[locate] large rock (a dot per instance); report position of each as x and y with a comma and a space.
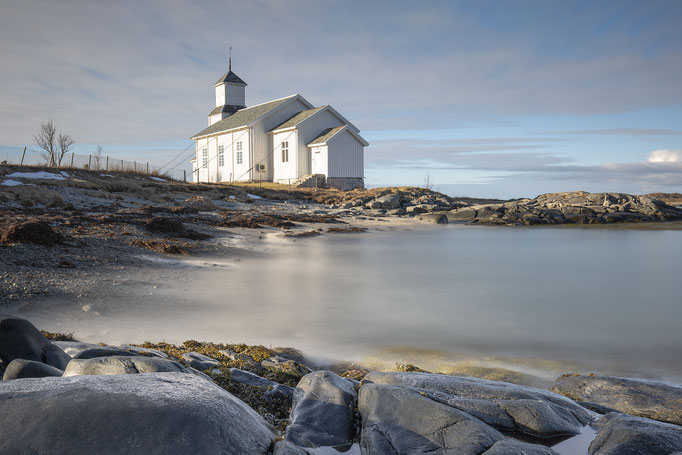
621, 434
322, 411
103, 351
20, 368
200, 361
655, 400
72, 348
285, 447
122, 365
248, 378
19, 339
161, 413
388, 201
399, 420
503, 405
511, 446
434, 218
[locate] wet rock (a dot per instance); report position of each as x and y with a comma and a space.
322, 411
398, 420
246, 377
19, 339
122, 365
148, 413
655, 400
511, 446
200, 361
532, 411
285, 447
20, 368
435, 218
624, 434
32, 231
103, 351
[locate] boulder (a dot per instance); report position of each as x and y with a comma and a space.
503, 405
388, 202
19, 339
655, 400
20, 368
200, 361
399, 420
322, 411
74, 347
434, 218
122, 365
246, 377
103, 351
156, 413
511, 446
284, 447
145, 351
464, 213
624, 434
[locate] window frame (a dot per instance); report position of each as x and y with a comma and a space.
285, 151
221, 156
204, 158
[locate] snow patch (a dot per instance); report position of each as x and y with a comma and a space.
65, 174
157, 179
106, 175
253, 196
37, 175
11, 183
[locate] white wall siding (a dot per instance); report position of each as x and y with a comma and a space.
308, 130
235, 94
346, 156
320, 161
285, 171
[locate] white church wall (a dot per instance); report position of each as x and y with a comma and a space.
346, 156
319, 160
283, 171
308, 130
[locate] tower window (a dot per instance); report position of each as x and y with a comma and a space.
204, 158
221, 155
240, 153
285, 152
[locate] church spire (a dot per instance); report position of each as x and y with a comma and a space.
229, 64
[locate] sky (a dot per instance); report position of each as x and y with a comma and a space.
488, 98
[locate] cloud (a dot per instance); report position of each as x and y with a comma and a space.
665, 156
619, 131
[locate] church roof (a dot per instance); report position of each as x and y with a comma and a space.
326, 135
243, 117
298, 118
231, 78
228, 108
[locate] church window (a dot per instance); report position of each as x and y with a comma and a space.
204, 158
221, 155
240, 153
285, 152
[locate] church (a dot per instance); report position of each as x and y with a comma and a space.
287, 140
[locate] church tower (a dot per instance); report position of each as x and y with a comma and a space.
230, 95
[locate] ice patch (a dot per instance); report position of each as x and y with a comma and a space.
106, 175
158, 179
65, 174
253, 196
10, 183
37, 175
231, 197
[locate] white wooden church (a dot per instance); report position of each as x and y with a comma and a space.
287, 140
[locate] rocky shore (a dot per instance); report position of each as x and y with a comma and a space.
59, 395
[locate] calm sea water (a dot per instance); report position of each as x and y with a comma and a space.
552, 299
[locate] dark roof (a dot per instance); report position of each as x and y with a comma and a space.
326, 135
298, 118
243, 117
231, 78
227, 108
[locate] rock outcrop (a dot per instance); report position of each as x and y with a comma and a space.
20, 368
113, 365
624, 434
19, 339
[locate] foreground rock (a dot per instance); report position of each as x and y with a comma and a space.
157, 413
571, 207
655, 400
32, 231
322, 411
20, 368
624, 434
505, 406
19, 339
397, 420
122, 365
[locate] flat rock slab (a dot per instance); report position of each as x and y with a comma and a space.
398, 420
655, 400
200, 361
161, 413
103, 351
19, 339
511, 446
322, 411
20, 368
122, 365
503, 405
248, 378
625, 434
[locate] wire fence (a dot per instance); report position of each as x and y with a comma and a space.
24, 156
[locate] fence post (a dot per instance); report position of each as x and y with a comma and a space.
72, 155
147, 167
135, 166
107, 163
184, 175
89, 162
22, 156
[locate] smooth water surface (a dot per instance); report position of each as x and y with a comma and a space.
606, 299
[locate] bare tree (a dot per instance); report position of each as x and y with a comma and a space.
65, 142
428, 181
98, 156
46, 139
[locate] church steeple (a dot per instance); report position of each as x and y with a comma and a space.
230, 94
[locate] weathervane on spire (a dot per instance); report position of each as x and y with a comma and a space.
229, 64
